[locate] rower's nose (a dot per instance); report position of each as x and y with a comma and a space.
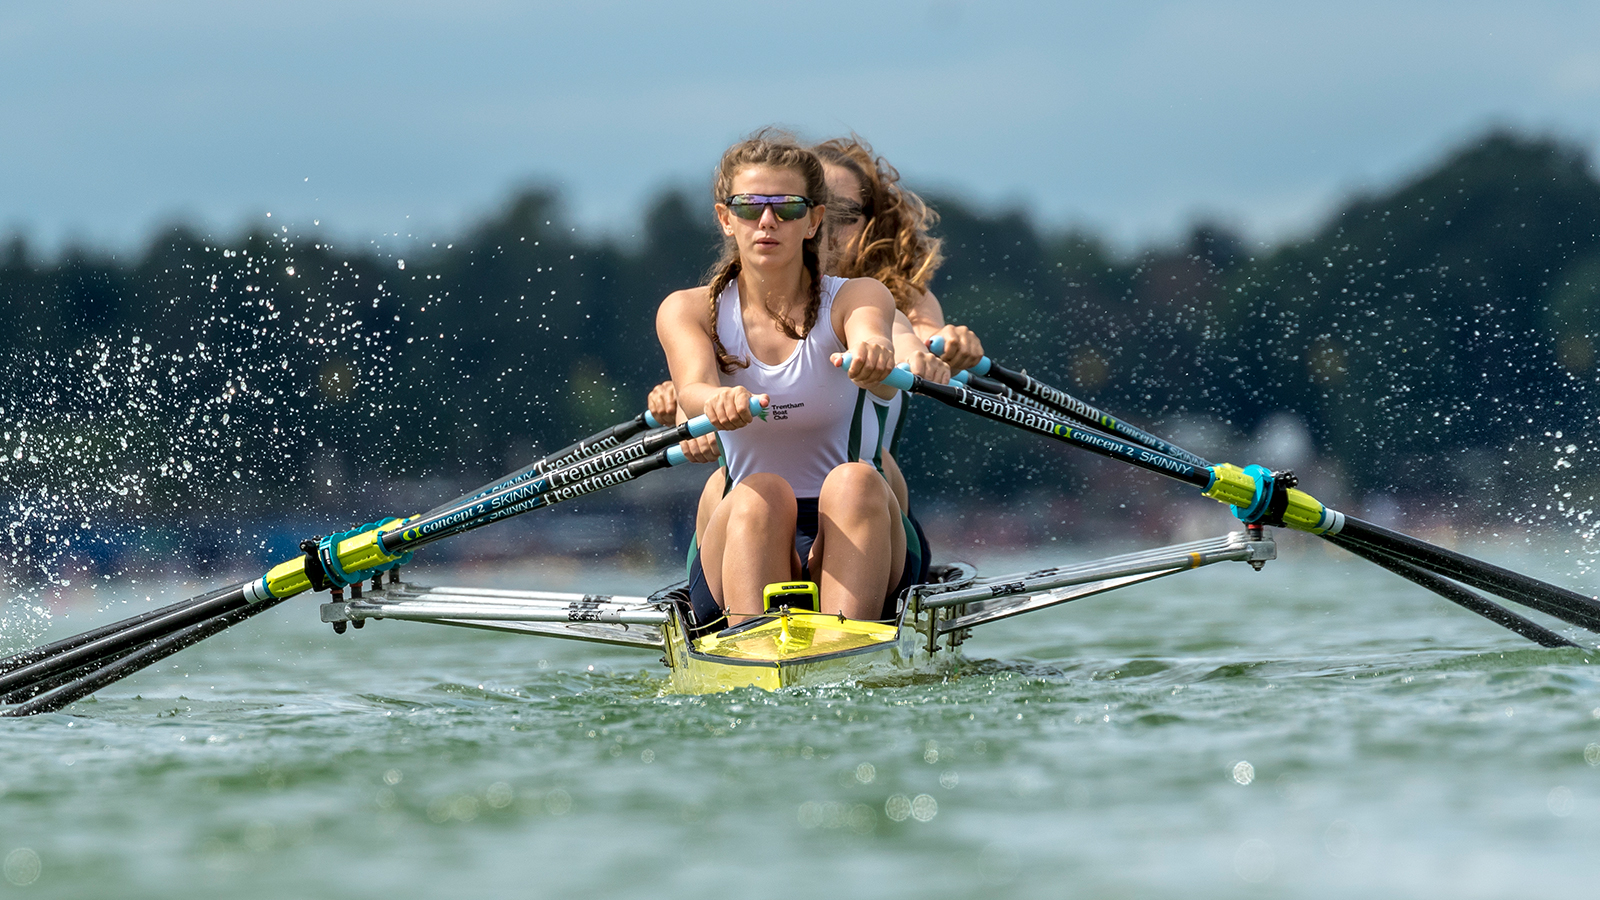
769, 219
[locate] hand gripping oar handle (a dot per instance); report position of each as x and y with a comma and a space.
348, 557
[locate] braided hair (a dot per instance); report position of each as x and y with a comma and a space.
779, 150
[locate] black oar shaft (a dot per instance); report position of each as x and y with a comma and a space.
1567, 605
38, 686
1048, 425
1000, 389
589, 446
149, 654
1456, 594
37, 653
415, 535
131, 636
1080, 411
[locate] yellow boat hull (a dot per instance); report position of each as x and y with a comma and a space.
792, 649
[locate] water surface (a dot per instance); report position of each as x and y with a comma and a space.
1316, 729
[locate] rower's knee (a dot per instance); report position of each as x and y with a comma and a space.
760, 498
854, 488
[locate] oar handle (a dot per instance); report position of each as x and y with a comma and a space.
899, 379
700, 425
936, 347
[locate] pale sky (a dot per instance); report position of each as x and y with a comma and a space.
401, 117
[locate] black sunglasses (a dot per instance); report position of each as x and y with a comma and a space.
787, 207
847, 210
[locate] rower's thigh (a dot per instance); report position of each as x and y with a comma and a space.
758, 511
855, 495
710, 496
857, 502
749, 539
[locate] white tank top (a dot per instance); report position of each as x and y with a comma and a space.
894, 419
818, 418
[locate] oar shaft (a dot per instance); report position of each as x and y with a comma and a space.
1568, 605
1455, 593
518, 501
37, 653
110, 644
1080, 411
656, 450
147, 655
1043, 423
370, 548
999, 389
589, 446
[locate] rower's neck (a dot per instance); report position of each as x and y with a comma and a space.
785, 292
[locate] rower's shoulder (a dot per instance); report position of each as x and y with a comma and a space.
687, 301
863, 290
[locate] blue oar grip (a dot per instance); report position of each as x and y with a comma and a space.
675, 456
650, 419
936, 347
961, 377
899, 379
700, 425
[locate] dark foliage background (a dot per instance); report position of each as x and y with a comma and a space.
1428, 335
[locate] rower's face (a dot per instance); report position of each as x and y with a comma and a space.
843, 185
769, 239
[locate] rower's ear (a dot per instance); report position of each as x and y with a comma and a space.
724, 219
819, 215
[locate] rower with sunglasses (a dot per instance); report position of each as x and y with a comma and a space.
876, 229
801, 503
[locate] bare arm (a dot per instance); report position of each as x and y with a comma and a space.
909, 349
683, 325
863, 316
962, 349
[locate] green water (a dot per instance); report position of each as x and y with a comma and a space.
1318, 729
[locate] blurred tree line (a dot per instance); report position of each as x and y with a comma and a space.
1421, 333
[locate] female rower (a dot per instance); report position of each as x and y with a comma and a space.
878, 229
772, 326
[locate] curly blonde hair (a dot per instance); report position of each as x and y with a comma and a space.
894, 245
